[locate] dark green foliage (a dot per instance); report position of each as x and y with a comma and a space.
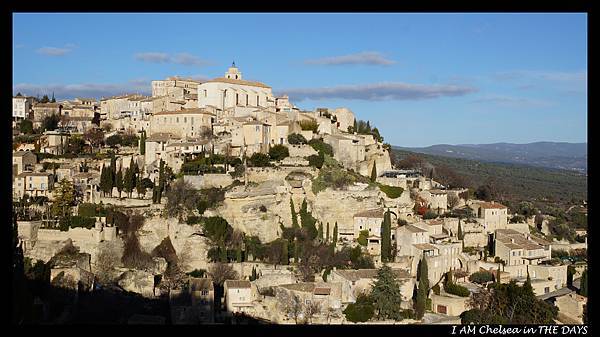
210, 198
199, 273
453, 288
50, 123
386, 240
420, 303
481, 277
362, 237
278, 152
307, 221
321, 147
259, 160
436, 289
296, 138
360, 260
386, 295
26, 127
327, 234
182, 199
511, 304
216, 229
392, 192
335, 234
81, 221
374, 172
583, 291
143, 143
294, 215
430, 215
309, 125
119, 181
316, 160
361, 311
460, 232
254, 275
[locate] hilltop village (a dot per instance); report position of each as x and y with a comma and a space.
218, 202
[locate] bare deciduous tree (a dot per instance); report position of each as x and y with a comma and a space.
312, 309
106, 261
453, 200
293, 307
220, 272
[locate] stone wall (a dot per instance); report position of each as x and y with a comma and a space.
209, 180
301, 150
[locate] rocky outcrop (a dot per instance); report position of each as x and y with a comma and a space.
137, 281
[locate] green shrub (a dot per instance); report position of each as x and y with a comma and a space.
309, 125
316, 160
359, 312
192, 220
392, 192
481, 277
436, 289
278, 152
430, 215
455, 289
82, 221
296, 138
321, 147
363, 237
259, 160
91, 210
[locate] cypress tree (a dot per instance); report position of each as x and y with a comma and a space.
154, 192
223, 254
128, 181
583, 284
386, 242
374, 172
422, 290
335, 234
294, 215
119, 181
143, 143
104, 180
460, 232
320, 232
327, 234
284, 253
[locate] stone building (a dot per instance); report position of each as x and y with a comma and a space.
21, 106
194, 304
23, 161
183, 123
33, 184
516, 249
494, 215
369, 220
238, 296
233, 96
175, 88
437, 200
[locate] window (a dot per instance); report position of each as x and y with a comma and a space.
546, 290
185, 119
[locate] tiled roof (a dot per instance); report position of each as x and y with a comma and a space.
237, 284
161, 137
489, 205
425, 246
195, 111
34, 174
21, 153
415, 229
355, 275
240, 82
372, 213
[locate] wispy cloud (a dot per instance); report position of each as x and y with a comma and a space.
56, 51
379, 92
67, 91
512, 102
575, 81
367, 58
180, 58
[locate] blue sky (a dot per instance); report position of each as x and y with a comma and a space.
422, 79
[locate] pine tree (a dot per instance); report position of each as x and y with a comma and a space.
53, 100
141, 190
119, 182
423, 289
386, 294
374, 172
386, 242
327, 234
294, 215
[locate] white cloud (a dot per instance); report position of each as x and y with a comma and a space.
368, 58
180, 58
512, 102
67, 91
56, 51
379, 92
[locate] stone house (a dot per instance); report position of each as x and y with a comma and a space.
516, 249
355, 282
570, 308
55, 142
328, 295
448, 304
23, 161
231, 94
494, 215
21, 106
346, 150
43, 110
407, 237
33, 184
437, 200
369, 220
182, 123
194, 304
175, 87
256, 137
238, 296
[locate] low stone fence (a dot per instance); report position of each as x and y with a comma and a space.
301, 150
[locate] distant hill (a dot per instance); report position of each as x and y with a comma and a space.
519, 182
567, 156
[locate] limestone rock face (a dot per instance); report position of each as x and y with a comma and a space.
160, 265
332, 205
378, 155
137, 281
189, 245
